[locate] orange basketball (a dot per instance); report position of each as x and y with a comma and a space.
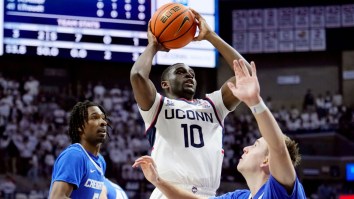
173, 25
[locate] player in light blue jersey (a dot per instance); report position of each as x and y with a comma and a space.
112, 190
78, 171
268, 165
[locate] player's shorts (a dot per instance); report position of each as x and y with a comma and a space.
200, 191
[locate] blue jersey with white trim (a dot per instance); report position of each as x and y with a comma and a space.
81, 169
186, 137
272, 189
114, 191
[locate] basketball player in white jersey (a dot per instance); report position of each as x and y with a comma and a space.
267, 165
185, 133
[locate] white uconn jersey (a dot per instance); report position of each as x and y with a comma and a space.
186, 137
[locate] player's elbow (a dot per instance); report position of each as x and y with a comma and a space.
137, 76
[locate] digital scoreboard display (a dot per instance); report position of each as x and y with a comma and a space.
112, 30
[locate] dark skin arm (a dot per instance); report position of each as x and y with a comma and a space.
61, 190
229, 54
143, 88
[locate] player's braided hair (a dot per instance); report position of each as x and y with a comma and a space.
78, 118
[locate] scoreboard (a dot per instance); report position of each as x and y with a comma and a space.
112, 30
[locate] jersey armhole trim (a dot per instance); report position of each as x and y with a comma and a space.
216, 113
162, 99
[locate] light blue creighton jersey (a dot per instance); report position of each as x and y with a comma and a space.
83, 170
272, 189
186, 138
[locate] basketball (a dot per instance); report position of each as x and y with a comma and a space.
173, 25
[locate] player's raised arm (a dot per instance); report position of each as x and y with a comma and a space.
247, 90
171, 191
143, 89
227, 51
206, 33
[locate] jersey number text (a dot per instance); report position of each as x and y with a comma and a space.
190, 133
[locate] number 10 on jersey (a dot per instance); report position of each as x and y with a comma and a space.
190, 134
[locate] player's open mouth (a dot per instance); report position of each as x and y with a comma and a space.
189, 83
102, 131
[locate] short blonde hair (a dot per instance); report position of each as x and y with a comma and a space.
293, 150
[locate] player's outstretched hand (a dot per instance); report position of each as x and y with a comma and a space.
148, 166
153, 41
246, 87
204, 28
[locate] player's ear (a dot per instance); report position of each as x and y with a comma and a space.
165, 84
265, 165
265, 161
80, 130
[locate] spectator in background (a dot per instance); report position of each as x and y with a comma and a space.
309, 101
49, 160
320, 106
328, 100
59, 117
26, 146
8, 187
89, 92
99, 91
32, 86
107, 102
4, 142
3, 83
5, 109
346, 124
33, 172
337, 99
13, 151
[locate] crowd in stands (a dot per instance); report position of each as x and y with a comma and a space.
33, 131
